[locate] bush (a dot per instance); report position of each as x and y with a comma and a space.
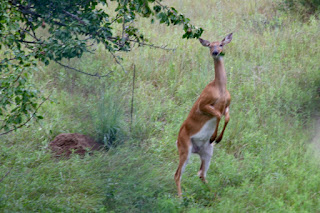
304, 7
107, 119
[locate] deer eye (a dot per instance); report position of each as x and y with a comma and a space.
221, 45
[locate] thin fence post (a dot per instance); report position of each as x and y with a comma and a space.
132, 97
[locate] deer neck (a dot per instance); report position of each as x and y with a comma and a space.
220, 74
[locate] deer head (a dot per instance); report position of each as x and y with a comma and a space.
216, 47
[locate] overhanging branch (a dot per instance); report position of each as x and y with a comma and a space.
74, 17
117, 61
35, 112
82, 72
164, 47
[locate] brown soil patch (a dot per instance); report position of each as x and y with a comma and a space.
66, 143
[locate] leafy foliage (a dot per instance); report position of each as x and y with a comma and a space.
73, 28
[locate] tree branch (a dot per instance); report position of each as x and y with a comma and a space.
10, 59
4, 133
164, 47
25, 10
17, 78
74, 17
74, 69
158, 2
117, 61
116, 18
29, 42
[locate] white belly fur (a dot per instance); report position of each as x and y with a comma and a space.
205, 132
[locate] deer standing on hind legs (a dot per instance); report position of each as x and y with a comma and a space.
200, 129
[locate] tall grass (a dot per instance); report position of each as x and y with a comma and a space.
263, 164
108, 120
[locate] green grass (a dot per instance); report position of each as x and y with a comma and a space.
264, 164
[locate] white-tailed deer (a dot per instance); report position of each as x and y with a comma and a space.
200, 128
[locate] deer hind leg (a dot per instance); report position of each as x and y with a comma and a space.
205, 156
184, 147
201, 168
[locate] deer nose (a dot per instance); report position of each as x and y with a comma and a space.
215, 53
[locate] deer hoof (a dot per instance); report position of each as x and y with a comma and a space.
218, 139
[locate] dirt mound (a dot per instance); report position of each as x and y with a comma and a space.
66, 143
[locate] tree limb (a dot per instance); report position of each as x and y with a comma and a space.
25, 10
10, 59
28, 42
74, 17
117, 61
4, 133
164, 47
74, 69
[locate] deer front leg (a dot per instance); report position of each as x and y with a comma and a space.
227, 118
214, 135
209, 109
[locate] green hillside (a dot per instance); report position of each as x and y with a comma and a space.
266, 161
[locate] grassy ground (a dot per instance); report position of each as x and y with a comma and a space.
264, 163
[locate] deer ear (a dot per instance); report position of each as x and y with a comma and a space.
227, 39
204, 42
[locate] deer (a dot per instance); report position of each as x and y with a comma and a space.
200, 129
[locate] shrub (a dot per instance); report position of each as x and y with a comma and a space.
305, 8
107, 119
